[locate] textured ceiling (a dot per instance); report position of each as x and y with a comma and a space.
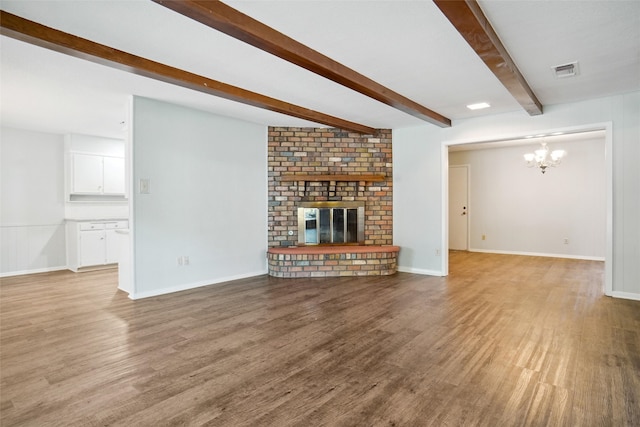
408, 46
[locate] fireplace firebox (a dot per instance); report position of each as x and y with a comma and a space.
331, 223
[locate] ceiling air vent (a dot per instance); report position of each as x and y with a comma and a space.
565, 70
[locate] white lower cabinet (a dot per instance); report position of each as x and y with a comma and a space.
93, 243
92, 248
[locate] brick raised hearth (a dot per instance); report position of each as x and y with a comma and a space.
326, 261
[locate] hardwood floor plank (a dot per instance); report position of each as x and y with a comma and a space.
503, 340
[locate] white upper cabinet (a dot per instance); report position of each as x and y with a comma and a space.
113, 175
86, 173
95, 169
97, 175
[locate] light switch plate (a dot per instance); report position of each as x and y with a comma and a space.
145, 186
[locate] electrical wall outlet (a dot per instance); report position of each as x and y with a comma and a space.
437, 252
565, 240
484, 237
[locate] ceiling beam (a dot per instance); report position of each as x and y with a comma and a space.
467, 17
34, 33
234, 23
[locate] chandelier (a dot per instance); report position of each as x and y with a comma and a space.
543, 158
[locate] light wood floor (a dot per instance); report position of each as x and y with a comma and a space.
502, 341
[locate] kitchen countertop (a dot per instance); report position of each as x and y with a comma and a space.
95, 219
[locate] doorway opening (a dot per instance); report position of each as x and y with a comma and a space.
507, 211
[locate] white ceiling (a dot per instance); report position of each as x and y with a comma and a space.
408, 46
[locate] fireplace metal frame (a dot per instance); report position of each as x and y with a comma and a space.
332, 206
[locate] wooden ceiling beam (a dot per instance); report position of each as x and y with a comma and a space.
37, 34
467, 17
217, 15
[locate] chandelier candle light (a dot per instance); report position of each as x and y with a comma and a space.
543, 158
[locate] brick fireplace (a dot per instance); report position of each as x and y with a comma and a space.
312, 165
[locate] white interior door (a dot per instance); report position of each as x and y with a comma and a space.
459, 207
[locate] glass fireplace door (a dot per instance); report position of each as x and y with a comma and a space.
331, 224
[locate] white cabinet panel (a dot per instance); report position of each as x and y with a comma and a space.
91, 226
113, 175
92, 248
86, 174
112, 241
111, 225
112, 247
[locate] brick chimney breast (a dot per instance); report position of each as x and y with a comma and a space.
310, 151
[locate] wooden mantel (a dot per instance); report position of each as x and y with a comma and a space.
332, 177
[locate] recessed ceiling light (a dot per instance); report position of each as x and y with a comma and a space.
478, 106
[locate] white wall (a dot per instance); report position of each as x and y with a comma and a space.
32, 202
414, 190
522, 211
207, 201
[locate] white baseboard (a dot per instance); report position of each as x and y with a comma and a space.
581, 257
187, 286
34, 271
625, 295
420, 271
